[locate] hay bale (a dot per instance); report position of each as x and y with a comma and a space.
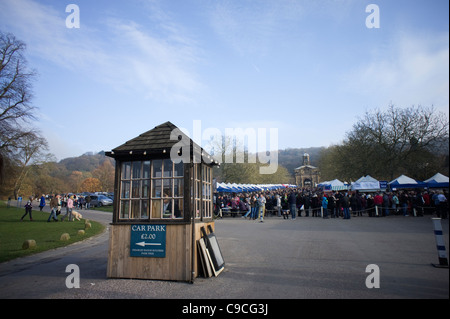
65, 237
81, 232
29, 244
87, 225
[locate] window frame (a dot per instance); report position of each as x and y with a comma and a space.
137, 191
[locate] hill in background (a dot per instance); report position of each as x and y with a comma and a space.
289, 158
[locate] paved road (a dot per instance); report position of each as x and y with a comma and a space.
304, 258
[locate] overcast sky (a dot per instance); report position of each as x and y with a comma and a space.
309, 69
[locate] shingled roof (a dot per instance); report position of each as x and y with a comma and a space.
156, 142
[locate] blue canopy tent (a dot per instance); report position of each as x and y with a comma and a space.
437, 181
406, 182
223, 188
247, 188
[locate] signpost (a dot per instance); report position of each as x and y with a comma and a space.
148, 241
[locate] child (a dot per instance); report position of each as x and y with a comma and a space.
28, 207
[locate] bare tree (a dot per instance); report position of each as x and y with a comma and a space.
16, 110
395, 141
30, 150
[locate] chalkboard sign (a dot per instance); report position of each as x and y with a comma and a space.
214, 249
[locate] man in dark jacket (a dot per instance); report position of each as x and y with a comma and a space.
345, 203
292, 200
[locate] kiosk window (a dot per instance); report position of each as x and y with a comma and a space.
167, 190
151, 190
134, 184
202, 184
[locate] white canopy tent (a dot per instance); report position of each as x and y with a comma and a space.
366, 184
404, 181
335, 185
438, 181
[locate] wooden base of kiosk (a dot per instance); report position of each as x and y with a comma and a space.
176, 265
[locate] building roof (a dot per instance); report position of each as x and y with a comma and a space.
158, 141
306, 166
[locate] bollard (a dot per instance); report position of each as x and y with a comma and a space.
440, 244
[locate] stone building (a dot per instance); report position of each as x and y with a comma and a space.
307, 176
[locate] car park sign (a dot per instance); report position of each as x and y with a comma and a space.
147, 240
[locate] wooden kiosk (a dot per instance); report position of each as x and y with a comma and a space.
162, 205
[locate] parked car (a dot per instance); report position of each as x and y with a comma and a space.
100, 200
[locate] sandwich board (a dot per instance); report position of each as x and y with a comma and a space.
210, 253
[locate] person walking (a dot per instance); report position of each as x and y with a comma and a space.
88, 201
331, 207
292, 201
42, 203
69, 208
325, 207
307, 203
386, 205
345, 202
278, 199
53, 207
261, 207
28, 208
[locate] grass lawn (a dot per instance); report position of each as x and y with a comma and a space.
14, 232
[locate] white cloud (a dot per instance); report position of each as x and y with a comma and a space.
414, 70
129, 58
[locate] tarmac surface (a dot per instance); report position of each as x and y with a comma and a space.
305, 258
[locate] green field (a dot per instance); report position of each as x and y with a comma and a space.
13, 232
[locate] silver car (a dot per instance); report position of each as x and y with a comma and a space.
100, 200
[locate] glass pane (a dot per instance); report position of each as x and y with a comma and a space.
156, 188
124, 207
135, 189
203, 190
198, 168
145, 188
125, 189
178, 208
208, 191
146, 170
156, 208
178, 187
157, 168
137, 169
168, 168
126, 168
167, 187
197, 194
135, 209
197, 208
144, 209
167, 208
179, 169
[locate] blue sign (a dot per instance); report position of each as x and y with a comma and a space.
383, 184
148, 241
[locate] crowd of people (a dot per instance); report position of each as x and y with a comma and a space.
57, 202
291, 202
